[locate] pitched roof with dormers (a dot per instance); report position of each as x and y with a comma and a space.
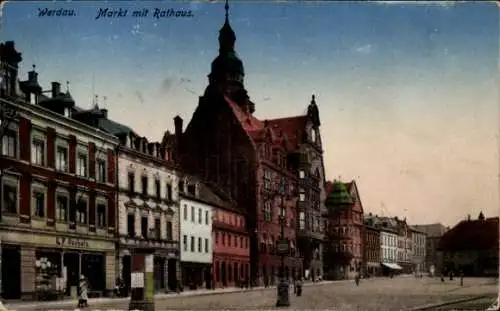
478, 234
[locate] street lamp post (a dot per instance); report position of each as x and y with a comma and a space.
283, 293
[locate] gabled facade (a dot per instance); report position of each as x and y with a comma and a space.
58, 190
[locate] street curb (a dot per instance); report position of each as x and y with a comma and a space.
447, 303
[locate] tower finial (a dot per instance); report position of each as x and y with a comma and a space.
226, 7
67, 86
313, 100
34, 67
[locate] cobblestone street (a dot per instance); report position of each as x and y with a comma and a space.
403, 293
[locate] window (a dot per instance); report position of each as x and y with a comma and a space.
185, 242
33, 98
101, 215
131, 182
185, 212
81, 165
38, 152
144, 184
38, 203
144, 227
267, 179
267, 211
241, 241
192, 214
216, 237
302, 195
101, 170
131, 225
9, 144
199, 216
169, 192
158, 229
158, 188
302, 220
229, 237
62, 208
10, 197
199, 245
223, 239
192, 243
206, 245
81, 211
169, 231
302, 174
62, 159
206, 217
181, 186
191, 189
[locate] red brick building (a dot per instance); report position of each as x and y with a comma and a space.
348, 222
57, 190
471, 246
231, 250
371, 248
225, 144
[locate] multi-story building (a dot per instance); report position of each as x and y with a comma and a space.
148, 210
196, 233
471, 247
228, 146
371, 247
418, 254
404, 245
58, 191
434, 232
346, 220
304, 140
388, 245
231, 252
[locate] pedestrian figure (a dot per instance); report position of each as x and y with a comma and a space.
298, 286
356, 278
461, 278
451, 275
442, 277
83, 296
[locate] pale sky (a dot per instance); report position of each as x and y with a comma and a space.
408, 94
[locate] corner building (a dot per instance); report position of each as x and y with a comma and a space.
57, 189
225, 144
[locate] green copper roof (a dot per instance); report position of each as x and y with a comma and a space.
339, 195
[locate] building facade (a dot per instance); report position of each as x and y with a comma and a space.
225, 144
148, 209
405, 247
231, 252
58, 192
196, 234
419, 247
371, 248
388, 246
356, 226
434, 232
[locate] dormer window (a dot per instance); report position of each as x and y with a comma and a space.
313, 135
67, 112
33, 98
191, 189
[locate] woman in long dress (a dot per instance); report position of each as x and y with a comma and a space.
83, 298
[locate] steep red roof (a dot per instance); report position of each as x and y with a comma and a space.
471, 235
294, 127
247, 120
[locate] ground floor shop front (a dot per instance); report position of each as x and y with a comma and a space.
38, 266
166, 268
196, 275
230, 271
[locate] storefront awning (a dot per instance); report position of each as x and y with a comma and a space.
393, 266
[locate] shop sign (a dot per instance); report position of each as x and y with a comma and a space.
71, 242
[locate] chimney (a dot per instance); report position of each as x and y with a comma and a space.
178, 126
104, 113
56, 89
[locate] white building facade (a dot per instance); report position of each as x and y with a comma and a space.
148, 212
196, 246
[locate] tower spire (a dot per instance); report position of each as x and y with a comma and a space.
227, 11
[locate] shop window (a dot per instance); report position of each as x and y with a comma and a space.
10, 196
131, 225
101, 214
62, 207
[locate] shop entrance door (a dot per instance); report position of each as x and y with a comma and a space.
159, 273
172, 274
11, 272
127, 270
72, 264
